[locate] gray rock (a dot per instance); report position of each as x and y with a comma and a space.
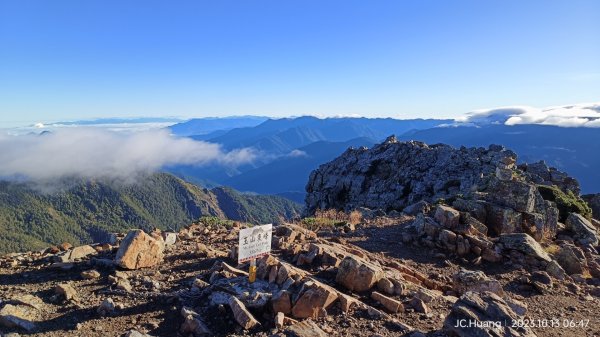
135, 333
525, 244
420, 207
77, 253
593, 201
394, 175
571, 259
475, 281
493, 314
584, 232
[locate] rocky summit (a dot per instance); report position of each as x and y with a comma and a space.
404, 239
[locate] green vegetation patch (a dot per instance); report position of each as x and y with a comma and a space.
565, 202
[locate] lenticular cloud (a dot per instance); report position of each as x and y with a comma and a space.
96, 153
578, 115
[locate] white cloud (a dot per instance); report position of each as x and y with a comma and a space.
100, 153
578, 115
297, 153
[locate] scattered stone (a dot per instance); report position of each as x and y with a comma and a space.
489, 311
107, 307
193, 324
242, 316
279, 320
475, 281
90, 274
139, 250
18, 316
66, 291
170, 238
419, 305
29, 300
390, 304
386, 286
77, 253
135, 333
306, 328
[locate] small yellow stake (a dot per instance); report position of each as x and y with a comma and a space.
252, 274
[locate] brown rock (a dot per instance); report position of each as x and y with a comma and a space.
29, 300
358, 275
281, 302
314, 297
386, 286
419, 305
447, 216
90, 274
192, 324
66, 291
390, 304
306, 328
475, 281
20, 316
242, 316
139, 250
279, 320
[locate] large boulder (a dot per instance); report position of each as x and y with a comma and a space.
139, 250
357, 274
571, 259
483, 315
584, 232
314, 297
525, 244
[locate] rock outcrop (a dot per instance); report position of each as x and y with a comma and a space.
483, 183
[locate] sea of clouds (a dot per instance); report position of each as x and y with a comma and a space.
86, 152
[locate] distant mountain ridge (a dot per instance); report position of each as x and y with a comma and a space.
292, 147
88, 210
207, 125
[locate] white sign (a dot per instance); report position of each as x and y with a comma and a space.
254, 242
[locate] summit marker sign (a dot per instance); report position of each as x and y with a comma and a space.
254, 242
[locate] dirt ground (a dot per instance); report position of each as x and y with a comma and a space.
154, 311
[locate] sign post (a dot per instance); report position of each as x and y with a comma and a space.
254, 242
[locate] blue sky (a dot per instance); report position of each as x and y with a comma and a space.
63, 60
